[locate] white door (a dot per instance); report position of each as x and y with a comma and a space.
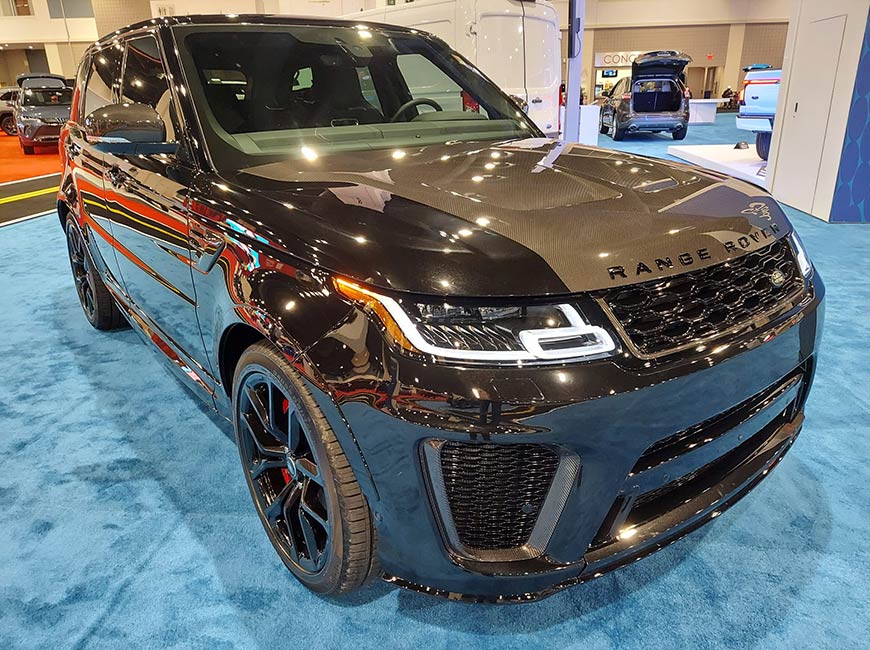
542, 46
499, 52
805, 117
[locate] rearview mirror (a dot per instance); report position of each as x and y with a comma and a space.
126, 126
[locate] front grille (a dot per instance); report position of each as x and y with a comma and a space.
47, 131
662, 315
495, 492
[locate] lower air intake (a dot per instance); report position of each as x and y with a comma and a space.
499, 502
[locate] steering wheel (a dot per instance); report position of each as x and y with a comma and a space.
415, 102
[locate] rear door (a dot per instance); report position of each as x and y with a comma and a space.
499, 52
760, 93
664, 64
543, 69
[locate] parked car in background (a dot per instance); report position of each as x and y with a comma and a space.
8, 96
41, 109
476, 28
478, 362
757, 104
655, 98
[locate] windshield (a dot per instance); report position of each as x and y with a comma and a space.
300, 91
47, 97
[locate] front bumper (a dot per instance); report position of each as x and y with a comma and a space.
42, 133
660, 447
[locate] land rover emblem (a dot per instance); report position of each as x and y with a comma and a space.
777, 278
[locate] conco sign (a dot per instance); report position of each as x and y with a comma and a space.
615, 59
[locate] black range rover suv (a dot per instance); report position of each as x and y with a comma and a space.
455, 354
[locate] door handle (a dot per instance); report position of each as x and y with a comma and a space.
537, 100
206, 246
116, 176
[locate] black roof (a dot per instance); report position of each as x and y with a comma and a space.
247, 19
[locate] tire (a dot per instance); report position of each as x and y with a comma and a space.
618, 134
762, 145
28, 149
7, 123
681, 134
100, 308
303, 488
602, 128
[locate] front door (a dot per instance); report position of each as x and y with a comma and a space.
85, 193
145, 197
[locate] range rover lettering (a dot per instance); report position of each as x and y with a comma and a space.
455, 354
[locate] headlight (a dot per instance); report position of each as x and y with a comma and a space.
496, 334
803, 261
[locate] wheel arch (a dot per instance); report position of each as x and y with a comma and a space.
235, 339
63, 211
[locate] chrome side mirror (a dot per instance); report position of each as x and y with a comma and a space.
125, 123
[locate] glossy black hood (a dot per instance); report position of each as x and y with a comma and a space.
532, 217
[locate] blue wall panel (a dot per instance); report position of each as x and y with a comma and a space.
852, 193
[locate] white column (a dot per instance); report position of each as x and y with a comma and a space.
577, 13
731, 71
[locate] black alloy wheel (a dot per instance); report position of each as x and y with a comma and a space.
8, 125
96, 301
303, 489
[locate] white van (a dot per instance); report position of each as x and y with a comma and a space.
515, 43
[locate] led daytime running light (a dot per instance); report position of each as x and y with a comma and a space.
404, 331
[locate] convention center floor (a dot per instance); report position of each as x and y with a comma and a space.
125, 522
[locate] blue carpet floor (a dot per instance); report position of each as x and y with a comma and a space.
124, 521
723, 131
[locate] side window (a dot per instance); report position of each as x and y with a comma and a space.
425, 79
145, 80
103, 78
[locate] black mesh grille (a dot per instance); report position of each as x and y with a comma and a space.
495, 492
661, 315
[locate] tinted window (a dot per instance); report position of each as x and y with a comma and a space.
337, 88
426, 80
47, 97
104, 78
145, 79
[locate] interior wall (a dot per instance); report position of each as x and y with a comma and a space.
114, 14
695, 40
610, 13
763, 43
288, 7
12, 63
